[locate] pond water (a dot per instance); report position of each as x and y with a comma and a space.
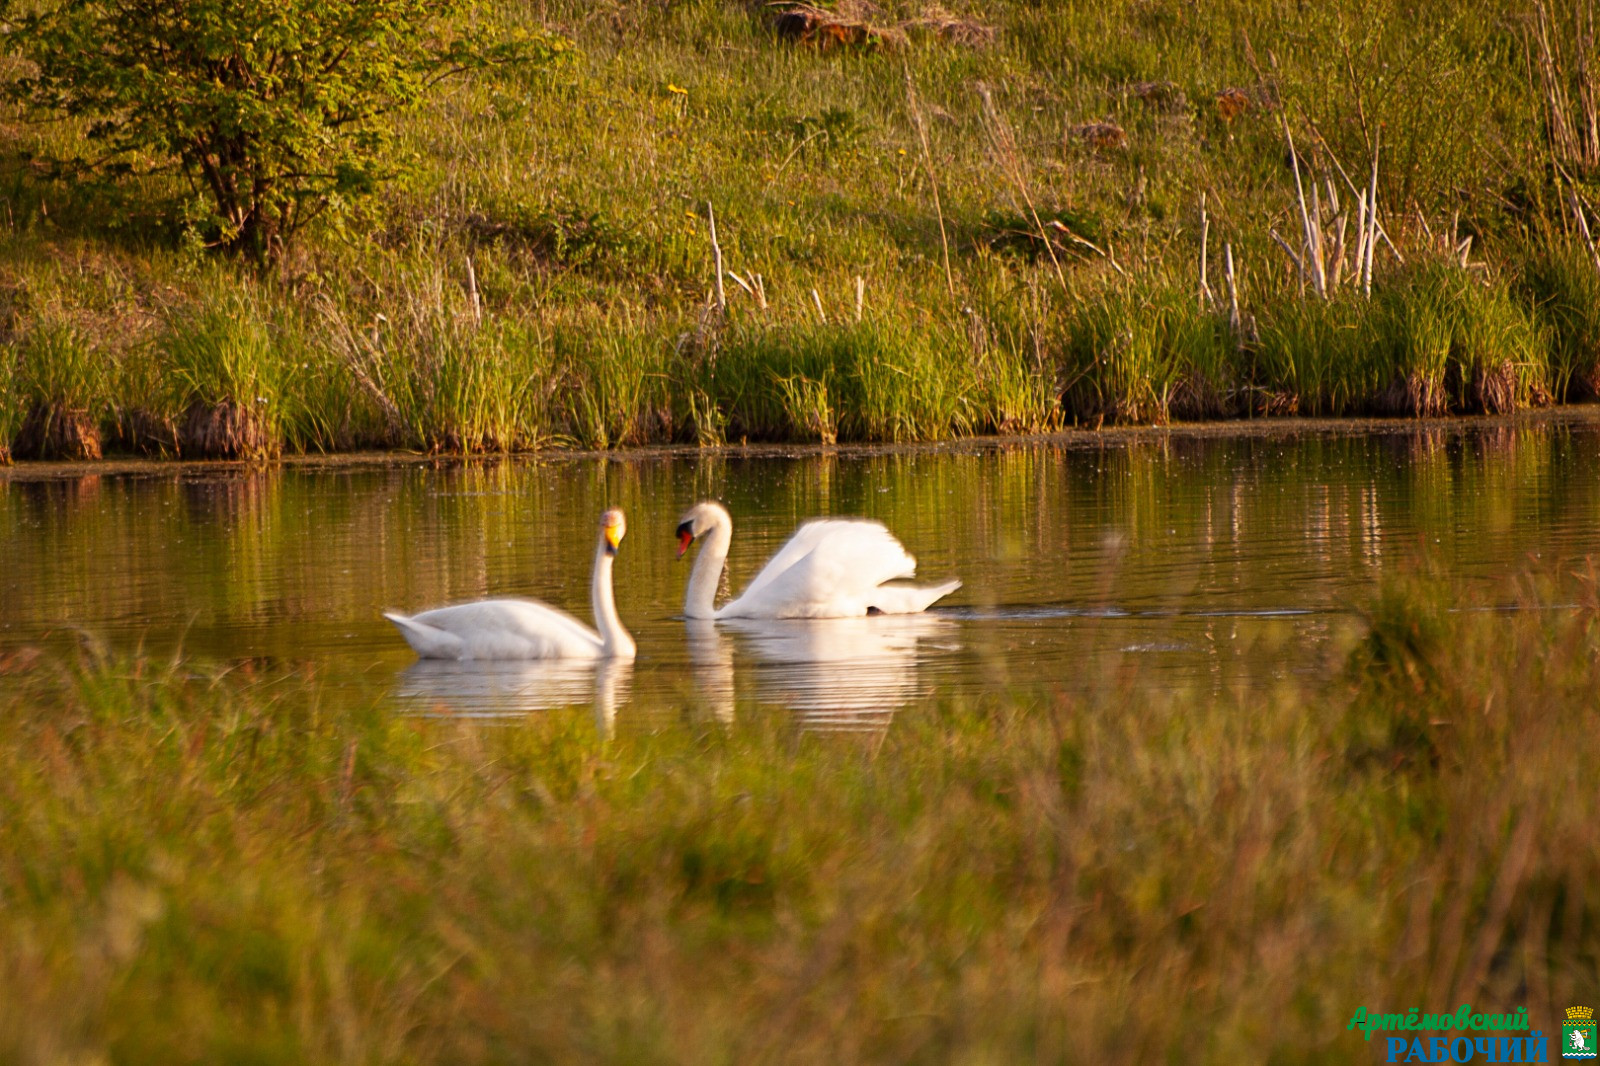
1177, 560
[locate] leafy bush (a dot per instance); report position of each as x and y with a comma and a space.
275, 109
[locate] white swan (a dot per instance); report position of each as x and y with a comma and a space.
526, 629
830, 568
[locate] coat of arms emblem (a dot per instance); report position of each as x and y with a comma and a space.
1578, 1034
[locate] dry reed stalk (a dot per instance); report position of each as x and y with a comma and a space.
1004, 144
915, 107
1341, 220
358, 350
1299, 266
472, 292
817, 300
861, 294
1233, 291
1312, 258
1363, 232
1583, 228
1573, 132
1372, 208
1104, 253
1205, 238
1588, 96
1373, 227
716, 258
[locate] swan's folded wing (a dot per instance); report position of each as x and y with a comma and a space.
829, 566
513, 629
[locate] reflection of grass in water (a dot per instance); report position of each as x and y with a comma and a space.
199, 864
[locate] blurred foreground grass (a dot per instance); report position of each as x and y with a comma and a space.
203, 866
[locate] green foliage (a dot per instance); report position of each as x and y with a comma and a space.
1312, 351
1143, 352
1561, 284
616, 391
58, 365
858, 381
222, 351
443, 377
11, 409
277, 110
580, 203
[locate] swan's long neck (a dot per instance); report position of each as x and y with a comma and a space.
700, 600
615, 643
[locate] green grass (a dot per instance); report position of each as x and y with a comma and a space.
1562, 285
1146, 352
57, 365
577, 193
11, 413
203, 865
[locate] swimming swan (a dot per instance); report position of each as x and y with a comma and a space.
831, 568
526, 629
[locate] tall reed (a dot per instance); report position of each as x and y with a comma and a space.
1141, 352
62, 381
1560, 283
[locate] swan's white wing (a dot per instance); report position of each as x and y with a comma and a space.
829, 568
911, 599
856, 538
500, 629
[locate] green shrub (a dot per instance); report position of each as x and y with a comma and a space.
277, 109
228, 381
861, 381
1560, 283
1142, 351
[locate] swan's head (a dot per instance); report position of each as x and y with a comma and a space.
697, 521
613, 527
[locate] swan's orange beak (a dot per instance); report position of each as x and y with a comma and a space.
685, 538
612, 529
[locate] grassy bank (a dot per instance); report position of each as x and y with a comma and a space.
204, 865
933, 224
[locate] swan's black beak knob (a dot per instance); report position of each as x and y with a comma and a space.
685, 538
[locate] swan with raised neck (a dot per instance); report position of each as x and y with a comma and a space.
829, 568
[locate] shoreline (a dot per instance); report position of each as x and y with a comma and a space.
1075, 438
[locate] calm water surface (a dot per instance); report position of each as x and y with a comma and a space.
1173, 562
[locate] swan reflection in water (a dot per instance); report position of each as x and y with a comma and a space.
447, 688
836, 674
